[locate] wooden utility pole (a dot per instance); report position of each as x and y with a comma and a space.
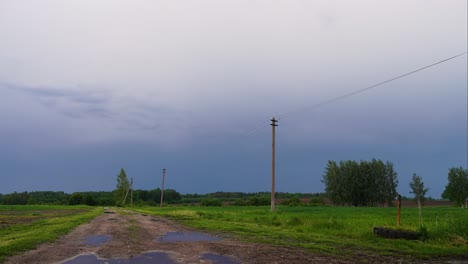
273, 125
131, 191
162, 187
126, 194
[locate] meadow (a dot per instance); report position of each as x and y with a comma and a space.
335, 231
339, 231
23, 227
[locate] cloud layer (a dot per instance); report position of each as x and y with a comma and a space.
88, 87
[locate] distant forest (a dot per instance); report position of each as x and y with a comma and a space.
153, 197
347, 183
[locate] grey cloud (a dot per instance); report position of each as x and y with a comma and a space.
71, 114
87, 99
46, 92
78, 104
99, 112
140, 124
127, 115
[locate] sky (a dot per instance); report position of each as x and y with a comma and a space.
88, 87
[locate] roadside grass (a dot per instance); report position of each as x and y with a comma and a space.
40, 207
43, 224
332, 230
133, 229
18, 214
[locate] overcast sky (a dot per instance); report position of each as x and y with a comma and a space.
88, 87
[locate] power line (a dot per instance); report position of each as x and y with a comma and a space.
262, 125
253, 131
332, 100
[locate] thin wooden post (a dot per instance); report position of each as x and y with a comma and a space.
273, 125
399, 209
131, 191
162, 187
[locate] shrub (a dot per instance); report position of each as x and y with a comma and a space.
292, 202
317, 201
241, 202
259, 201
88, 200
75, 199
151, 203
211, 202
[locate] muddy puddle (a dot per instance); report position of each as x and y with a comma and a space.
148, 258
186, 237
218, 259
97, 240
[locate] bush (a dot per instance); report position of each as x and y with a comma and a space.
75, 199
151, 203
317, 201
292, 202
253, 201
88, 200
211, 202
259, 201
241, 202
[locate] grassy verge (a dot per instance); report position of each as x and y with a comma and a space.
44, 224
332, 230
17, 208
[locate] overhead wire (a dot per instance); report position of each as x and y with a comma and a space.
359, 91
347, 95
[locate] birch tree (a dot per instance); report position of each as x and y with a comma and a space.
417, 188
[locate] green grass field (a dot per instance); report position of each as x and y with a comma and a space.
332, 230
340, 231
24, 227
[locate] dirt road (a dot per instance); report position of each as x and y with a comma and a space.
130, 237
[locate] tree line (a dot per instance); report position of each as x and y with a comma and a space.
373, 183
364, 183
103, 198
242, 198
144, 197
40, 197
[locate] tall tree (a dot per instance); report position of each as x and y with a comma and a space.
391, 182
331, 181
122, 187
417, 188
456, 189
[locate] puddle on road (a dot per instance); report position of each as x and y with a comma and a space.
187, 237
97, 240
218, 259
148, 258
